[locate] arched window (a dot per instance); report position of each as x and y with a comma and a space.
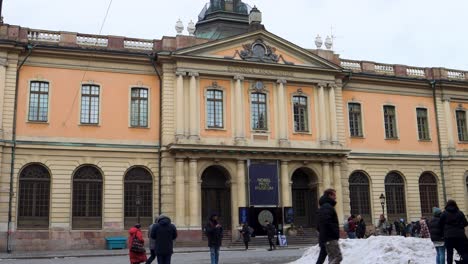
428, 193
359, 195
395, 193
34, 197
87, 198
138, 187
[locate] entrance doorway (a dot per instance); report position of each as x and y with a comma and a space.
304, 197
216, 195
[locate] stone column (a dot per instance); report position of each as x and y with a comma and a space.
3, 65
242, 194
234, 208
180, 105
180, 193
282, 110
285, 185
238, 109
339, 190
333, 124
193, 99
326, 175
449, 120
194, 194
322, 114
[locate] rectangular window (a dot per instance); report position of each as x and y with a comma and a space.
355, 123
89, 104
214, 109
423, 126
461, 125
139, 107
300, 114
390, 122
258, 111
38, 101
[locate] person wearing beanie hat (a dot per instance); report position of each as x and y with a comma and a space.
214, 233
135, 245
437, 235
453, 223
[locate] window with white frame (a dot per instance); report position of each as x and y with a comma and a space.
258, 111
461, 125
139, 107
390, 122
355, 119
423, 125
89, 104
214, 108
300, 114
38, 101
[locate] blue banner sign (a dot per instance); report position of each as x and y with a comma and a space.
263, 183
243, 215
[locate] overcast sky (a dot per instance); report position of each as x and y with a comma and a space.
428, 33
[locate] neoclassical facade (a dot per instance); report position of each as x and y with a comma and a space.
101, 132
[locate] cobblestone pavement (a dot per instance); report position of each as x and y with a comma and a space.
256, 256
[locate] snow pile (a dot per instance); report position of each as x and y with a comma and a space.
379, 250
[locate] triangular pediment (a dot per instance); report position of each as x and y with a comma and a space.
261, 47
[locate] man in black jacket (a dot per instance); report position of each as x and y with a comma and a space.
271, 230
328, 227
453, 223
164, 233
214, 233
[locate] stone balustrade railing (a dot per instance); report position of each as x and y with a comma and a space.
451, 74
416, 72
384, 68
138, 44
89, 40
44, 36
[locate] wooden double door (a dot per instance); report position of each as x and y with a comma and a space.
304, 198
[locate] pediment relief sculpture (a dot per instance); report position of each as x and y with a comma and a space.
258, 51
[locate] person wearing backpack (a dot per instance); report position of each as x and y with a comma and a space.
164, 233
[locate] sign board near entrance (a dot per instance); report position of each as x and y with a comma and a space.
263, 183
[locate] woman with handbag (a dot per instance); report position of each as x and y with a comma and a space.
136, 245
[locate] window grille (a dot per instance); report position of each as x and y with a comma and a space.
461, 125
423, 126
38, 101
390, 122
90, 104
87, 198
428, 193
395, 196
139, 107
214, 104
300, 114
355, 119
138, 183
360, 195
34, 198
258, 111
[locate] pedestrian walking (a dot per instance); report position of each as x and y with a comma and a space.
424, 229
152, 243
397, 228
382, 226
328, 228
453, 223
136, 245
271, 231
360, 227
437, 235
164, 233
351, 227
214, 233
246, 233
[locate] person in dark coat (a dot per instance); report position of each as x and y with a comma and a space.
135, 234
214, 233
328, 228
453, 223
271, 230
164, 233
246, 233
352, 227
361, 227
152, 243
437, 235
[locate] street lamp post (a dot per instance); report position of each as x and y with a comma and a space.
138, 203
382, 202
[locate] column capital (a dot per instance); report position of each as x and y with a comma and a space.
446, 98
284, 162
238, 77
332, 85
337, 163
181, 73
193, 74
241, 161
281, 81
192, 160
180, 159
322, 84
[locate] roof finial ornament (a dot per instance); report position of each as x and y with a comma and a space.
191, 28
179, 27
328, 42
318, 41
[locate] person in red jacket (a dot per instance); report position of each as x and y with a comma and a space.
136, 244
352, 227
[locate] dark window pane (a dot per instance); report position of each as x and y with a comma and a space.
461, 125
300, 114
355, 123
359, 191
87, 198
390, 122
138, 183
214, 108
258, 111
428, 193
89, 104
139, 107
395, 196
38, 101
423, 126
